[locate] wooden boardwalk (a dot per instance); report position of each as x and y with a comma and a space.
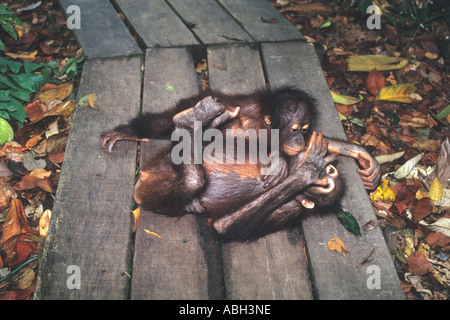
91, 223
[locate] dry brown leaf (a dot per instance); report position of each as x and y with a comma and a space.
33, 142
375, 81
14, 229
421, 209
25, 278
91, 100
45, 184
309, 9
437, 239
28, 182
22, 55
418, 264
40, 173
44, 222
59, 93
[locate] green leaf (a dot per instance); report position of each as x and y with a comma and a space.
343, 99
349, 222
7, 26
72, 70
6, 132
14, 66
6, 95
395, 118
443, 113
3, 65
29, 67
66, 66
358, 122
14, 109
2, 45
19, 114
8, 83
363, 5
52, 64
20, 94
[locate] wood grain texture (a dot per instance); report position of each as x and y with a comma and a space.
91, 224
156, 23
212, 23
102, 33
271, 267
334, 276
251, 15
185, 263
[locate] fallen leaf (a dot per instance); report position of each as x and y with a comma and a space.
437, 239
52, 129
45, 184
427, 145
349, 222
398, 93
60, 92
436, 190
442, 225
33, 142
44, 223
375, 81
372, 224
443, 164
421, 209
309, 9
385, 158
40, 173
384, 192
418, 264
379, 62
14, 235
22, 55
153, 234
343, 99
136, 215
91, 100
407, 167
25, 278
26, 183
336, 244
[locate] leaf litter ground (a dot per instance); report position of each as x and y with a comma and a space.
391, 88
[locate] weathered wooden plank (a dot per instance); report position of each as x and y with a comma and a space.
251, 13
334, 276
182, 265
91, 225
102, 33
156, 23
271, 267
212, 23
